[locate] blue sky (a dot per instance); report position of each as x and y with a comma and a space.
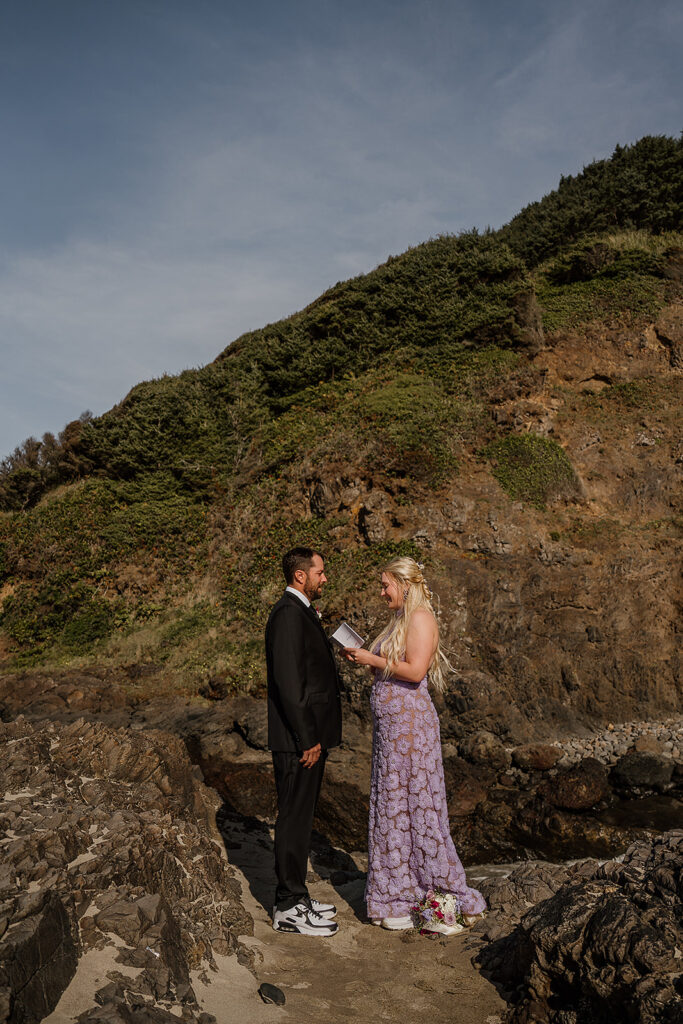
176, 172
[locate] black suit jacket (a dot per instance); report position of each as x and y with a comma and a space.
304, 704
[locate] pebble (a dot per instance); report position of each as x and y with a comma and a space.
617, 738
271, 994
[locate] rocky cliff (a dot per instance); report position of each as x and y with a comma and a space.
109, 845
503, 406
122, 902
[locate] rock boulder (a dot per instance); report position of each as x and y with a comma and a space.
640, 771
465, 788
604, 947
38, 955
577, 788
536, 757
112, 833
484, 748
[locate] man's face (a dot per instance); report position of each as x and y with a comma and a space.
315, 579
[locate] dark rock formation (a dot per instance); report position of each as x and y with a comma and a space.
483, 747
496, 812
511, 897
467, 786
251, 721
577, 788
342, 812
39, 954
536, 757
111, 832
642, 771
604, 946
119, 1010
247, 788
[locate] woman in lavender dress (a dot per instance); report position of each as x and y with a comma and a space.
409, 842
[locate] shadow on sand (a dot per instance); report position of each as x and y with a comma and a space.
249, 846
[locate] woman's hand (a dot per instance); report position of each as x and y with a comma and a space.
359, 656
421, 644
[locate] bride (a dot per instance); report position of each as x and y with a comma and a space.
411, 852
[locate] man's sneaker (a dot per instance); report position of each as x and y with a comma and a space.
327, 910
304, 920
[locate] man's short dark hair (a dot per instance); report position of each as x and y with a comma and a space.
297, 558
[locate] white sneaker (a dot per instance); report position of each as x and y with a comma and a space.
304, 920
397, 924
326, 910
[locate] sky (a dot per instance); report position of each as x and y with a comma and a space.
177, 172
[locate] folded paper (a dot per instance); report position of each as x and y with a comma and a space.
347, 637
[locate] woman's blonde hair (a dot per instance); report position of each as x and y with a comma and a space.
392, 640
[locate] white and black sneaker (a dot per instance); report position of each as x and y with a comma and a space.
304, 920
327, 910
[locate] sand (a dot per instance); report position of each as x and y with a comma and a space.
362, 974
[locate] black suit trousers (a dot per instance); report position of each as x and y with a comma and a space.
297, 795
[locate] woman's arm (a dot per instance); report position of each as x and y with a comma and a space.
421, 643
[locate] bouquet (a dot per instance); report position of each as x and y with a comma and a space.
438, 912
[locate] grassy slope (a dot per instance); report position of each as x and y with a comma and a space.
152, 533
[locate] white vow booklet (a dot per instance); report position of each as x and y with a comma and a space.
347, 637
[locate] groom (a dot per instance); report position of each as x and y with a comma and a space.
304, 721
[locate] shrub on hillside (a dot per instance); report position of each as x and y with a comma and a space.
639, 186
35, 466
532, 468
618, 276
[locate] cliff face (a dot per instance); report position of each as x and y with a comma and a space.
568, 614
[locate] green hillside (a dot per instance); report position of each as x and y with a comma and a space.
152, 533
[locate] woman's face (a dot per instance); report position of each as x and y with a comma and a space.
391, 592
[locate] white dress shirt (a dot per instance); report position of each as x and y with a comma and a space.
302, 597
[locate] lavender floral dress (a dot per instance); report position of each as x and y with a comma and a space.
409, 842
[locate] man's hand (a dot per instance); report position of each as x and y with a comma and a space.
310, 756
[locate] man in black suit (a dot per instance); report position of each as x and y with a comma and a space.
304, 721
